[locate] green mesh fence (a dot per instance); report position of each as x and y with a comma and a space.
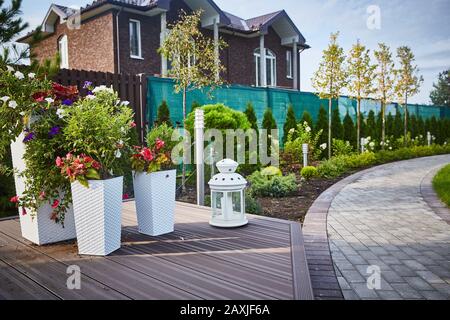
237, 97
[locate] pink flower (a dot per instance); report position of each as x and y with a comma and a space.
59, 162
147, 154
133, 124
24, 211
14, 199
159, 144
42, 195
55, 204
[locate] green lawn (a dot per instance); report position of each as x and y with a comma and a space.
441, 184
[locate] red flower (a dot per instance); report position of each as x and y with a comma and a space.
42, 195
147, 154
133, 124
14, 199
40, 96
126, 196
96, 165
159, 144
59, 162
65, 93
69, 172
55, 204
24, 211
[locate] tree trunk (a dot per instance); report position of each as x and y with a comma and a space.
406, 121
329, 126
185, 149
383, 125
358, 126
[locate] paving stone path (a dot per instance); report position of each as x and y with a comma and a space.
381, 220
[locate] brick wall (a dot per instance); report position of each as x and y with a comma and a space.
90, 48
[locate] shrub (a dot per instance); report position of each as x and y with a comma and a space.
296, 138
291, 123
337, 130
163, 114
309, 172
277, 186
341, 147
270, 172
251, 116
441, 183
333, 168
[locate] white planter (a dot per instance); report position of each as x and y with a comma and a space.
38, 227
155, 201
98, 213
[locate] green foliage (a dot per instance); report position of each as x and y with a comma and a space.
309, 172
371, 125
306, 117
441, 184
99, 127
293, 149
341, 147
349, 130
389, 125
337, 131
276, 186
440, 95
164, 114
221, 117
322, 124
7, 190
270, 172
291, 122
251, 116
195, 105
399, 125
252, 205
269, 122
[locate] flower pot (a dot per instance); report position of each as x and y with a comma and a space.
98, 213
37, 227
155, 201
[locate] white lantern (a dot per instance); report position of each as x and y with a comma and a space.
228, 196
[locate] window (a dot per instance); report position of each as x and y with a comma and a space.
135, 39
63, 48
289, 64
271, 67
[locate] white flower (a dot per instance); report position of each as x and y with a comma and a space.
323, 146
125, 103
390, 148
90, 97
381, 143
292, 130
120, 142
19, 75
372, 144
31, 75
103, 88
12, 104
118, 154
5, 99
123, 130
308, 129
49, 100
60, 113
10, 69
22, 113
368, 138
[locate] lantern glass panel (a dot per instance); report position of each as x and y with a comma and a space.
216, 199
237, 202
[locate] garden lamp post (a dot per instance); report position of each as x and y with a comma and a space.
429, 138
228, 196
305, 154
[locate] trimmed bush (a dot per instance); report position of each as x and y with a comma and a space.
270, 172
441, 183
163, 114
275, 187
251, 116
309, 172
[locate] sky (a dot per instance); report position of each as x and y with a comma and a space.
423, 25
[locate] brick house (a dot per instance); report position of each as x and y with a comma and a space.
122, 36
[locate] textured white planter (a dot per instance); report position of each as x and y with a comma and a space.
38, 228
155, 201
98, 213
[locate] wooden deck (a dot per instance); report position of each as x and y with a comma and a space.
264, 260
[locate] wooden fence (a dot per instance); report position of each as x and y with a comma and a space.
132, 88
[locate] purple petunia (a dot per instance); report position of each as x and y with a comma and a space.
54, 131
87, 84
67, 102
30, 136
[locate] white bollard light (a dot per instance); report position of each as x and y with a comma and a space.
305, 154
429, 138
199, 126
363, 145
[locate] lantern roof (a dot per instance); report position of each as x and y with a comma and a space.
227, 178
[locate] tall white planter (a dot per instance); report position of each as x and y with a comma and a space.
98, 213
37, 227
155, 201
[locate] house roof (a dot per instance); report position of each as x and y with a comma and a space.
279, 20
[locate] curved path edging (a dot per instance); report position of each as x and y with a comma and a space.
321, 267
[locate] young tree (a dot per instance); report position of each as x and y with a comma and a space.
349, 130
163, 114
337, 131
306, 117
384, 76
360, 72
291, 123
408, 82
193, 60
251, 116
322, 124
331, 77
440, 95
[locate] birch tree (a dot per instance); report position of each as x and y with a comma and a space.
408, 81
330, 78
385, 83
193, 60
360, 72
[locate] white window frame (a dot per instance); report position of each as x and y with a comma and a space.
138, 29
63, 47
289, 65
270, 55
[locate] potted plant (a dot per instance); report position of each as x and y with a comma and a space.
155, 182
31, 126
98, 130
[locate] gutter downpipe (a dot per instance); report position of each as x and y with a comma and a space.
118, 40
